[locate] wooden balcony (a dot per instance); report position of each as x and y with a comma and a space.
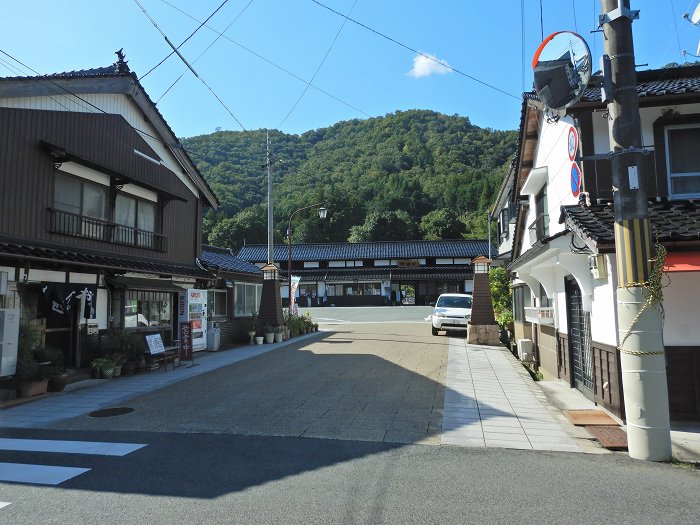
75, 225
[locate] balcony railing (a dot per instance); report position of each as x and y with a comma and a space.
542, 315
75, 225
539, 229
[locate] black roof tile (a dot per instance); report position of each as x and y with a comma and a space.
106, 262
223, 258
369, 250
671, 221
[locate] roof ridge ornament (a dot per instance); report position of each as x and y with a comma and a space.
121, 64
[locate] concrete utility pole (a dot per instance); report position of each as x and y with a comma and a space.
640, 326
270, 245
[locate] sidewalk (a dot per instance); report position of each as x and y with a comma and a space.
685, 435
87, 396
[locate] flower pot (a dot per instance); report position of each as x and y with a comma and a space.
252, 337
33, 388
58, 383
270, 337
117, 371
107, 373
278, 337
259, 340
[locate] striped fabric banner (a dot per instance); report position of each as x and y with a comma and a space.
633, 246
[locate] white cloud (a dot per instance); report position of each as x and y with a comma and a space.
426, 65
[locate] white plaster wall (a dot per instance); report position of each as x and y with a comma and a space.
604, 313
681, 323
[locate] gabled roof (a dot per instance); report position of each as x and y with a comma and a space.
116, 78
223, 259
671, 221
369, 250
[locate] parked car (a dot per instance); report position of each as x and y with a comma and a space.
452, 312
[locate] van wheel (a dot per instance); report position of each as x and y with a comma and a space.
435, 331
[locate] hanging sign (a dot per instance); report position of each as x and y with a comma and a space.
575, 179
295, 284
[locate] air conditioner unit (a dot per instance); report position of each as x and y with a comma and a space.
599, 269
526, 350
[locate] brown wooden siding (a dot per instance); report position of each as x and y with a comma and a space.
547, 351
683, 376
563, 358
104, 142
607, 380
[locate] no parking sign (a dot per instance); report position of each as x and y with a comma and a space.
575, 179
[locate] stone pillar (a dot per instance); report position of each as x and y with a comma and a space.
483, 328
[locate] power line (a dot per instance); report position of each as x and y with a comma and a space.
257, 55
306, 88
207, 48
573, 10
541, 22
186, 39
184, 60
675, 26
424, 55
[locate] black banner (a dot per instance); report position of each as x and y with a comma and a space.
60, 298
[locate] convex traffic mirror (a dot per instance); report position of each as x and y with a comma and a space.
562, 67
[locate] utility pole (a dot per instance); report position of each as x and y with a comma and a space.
640, 325
270, 246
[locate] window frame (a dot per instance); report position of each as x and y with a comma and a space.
247, 309
667, 155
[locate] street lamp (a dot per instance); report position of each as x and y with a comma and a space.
322, 212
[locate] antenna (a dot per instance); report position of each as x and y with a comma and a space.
695, 17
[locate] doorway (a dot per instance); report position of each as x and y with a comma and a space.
581, 353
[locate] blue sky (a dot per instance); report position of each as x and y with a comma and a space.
366, 73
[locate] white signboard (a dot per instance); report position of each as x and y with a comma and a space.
155, 344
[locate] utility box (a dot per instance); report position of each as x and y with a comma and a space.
526, 350
213, 336
599, 269
92, 328
9, 337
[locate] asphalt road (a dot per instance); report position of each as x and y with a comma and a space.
310, 434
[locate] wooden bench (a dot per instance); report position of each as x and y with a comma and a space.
157, 352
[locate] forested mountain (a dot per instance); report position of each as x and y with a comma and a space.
408, 175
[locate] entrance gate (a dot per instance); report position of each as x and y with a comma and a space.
579, 339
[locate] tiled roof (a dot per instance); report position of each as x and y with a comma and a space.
671, 221
222, 258
382, 273
650, 83
105, 262
368, 250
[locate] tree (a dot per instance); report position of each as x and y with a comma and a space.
501, 296
442, 223
392, 225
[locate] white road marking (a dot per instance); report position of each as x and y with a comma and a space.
97, 448
38, 474
333, 320
3, 504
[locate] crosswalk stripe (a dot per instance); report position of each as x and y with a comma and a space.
98, 448
38, 474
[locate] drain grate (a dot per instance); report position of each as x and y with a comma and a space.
111, 412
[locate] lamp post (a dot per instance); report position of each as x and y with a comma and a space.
322, 212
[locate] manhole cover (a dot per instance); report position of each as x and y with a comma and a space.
111, 412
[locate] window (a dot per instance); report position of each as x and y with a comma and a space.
217, 303
81, 207
143, 308
139, 217
521, 300
247, 299
683, 160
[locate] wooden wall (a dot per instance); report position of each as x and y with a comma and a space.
27, 173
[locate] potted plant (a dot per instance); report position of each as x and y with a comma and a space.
279, 334
30, 377
259, 339
119, 360
269, 333
54, 368
105, 366
253, 325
